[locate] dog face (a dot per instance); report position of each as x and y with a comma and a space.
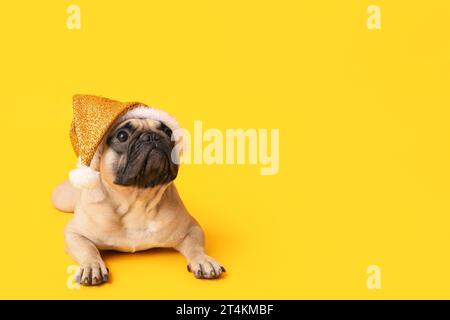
138, 154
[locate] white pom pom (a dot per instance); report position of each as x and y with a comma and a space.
84, 178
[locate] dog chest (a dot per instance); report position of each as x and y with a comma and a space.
132, 238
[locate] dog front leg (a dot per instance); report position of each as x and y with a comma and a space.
92, 269
200, 264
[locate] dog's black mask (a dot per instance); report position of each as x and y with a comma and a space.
143, 154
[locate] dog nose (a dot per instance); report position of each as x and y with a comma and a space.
149, 137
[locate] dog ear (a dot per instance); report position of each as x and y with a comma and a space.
164, 128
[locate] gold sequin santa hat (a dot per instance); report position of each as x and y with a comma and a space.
93, 116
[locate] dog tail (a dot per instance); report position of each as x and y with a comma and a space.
65, 196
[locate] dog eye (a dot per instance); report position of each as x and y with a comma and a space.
122, 136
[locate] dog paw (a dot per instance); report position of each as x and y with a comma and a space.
91, 274
205, 267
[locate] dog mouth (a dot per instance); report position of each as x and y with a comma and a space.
147, 166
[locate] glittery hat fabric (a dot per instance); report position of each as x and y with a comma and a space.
92, 117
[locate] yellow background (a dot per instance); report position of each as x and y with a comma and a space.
364, 142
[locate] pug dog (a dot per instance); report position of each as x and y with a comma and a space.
135, 207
